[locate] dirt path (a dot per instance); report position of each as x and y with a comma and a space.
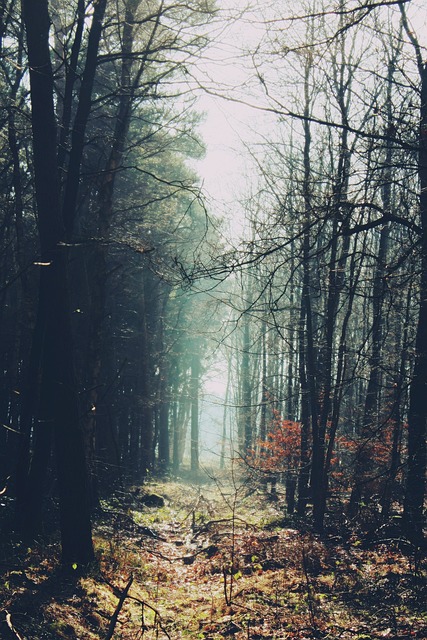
212, 561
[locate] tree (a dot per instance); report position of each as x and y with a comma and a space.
58, 410
417, 417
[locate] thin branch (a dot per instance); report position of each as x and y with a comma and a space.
281, 110
119, 607
11, 627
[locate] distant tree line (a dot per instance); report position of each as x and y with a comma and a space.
329, 365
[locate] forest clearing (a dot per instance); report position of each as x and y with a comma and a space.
218, 560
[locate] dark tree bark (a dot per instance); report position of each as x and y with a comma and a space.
304, 468
373, 400
163, 395
396, 413
309, 379
145, 425
371, 416
70, 81
225, 416
174, 418
20, 346
84, 105
59, 410
264, 389
413, 513
181, 409
245, 401
415, 482
195, 383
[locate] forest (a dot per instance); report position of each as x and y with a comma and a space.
213, 334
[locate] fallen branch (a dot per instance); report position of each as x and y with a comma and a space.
119, 607
11, 627
3, 491
203, 528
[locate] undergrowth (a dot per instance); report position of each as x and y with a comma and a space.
216, 560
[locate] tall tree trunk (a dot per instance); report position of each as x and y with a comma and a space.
396, 417
371, 417
304, 464
175, 424
370, 424
195, 383
338, 257
225, 416
245, 400
309, 360
415, 480
59, 409
264, 389
145, 390
163, 401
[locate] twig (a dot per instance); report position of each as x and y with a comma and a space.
207, 525
125, 595
11, 627
3, 491
156, 612
119, 606
310, 599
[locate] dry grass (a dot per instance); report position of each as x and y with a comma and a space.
211, 564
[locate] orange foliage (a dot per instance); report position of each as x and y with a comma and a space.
377, 449
282, 448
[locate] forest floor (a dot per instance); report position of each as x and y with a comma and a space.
218, 559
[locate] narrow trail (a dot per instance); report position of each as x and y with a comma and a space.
219, 561
197, 550
212, 561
